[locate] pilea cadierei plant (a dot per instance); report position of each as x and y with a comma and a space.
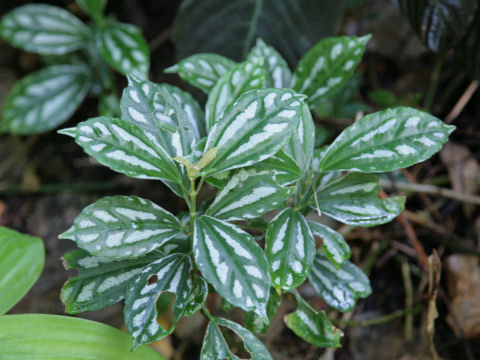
255, 145
79, 58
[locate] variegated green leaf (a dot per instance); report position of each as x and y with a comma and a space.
197, 297
94, 8
21, 262
44, 29
233, 263
301, 144
44, 99
290, 249
123, 227
340, 288
253, 128
312, 326
168, 274
284, 167
328, 65
126, 148
353, 199
124, 48
101, 281
277, 72
248, 75
249, 194
202, 70
255, 323
215, 346
334, 246
386, 140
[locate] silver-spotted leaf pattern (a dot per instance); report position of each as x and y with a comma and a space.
249, 194
124, 48
255, 323
340, 288
290, 249
232, 262
197, 297
353, 199
248, 75
168, 274
126, 148
386, 140
123, 227
327, 66
253, 128
44, 29
277, 72
101, 281
312, 326
283, 166
335, 248
44, 99
202, 70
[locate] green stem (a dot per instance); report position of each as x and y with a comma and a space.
432, 88
207, 314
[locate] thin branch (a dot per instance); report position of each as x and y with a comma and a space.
379, 320
462, 102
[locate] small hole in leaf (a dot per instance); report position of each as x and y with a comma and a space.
235, 343
164, 307
152, 279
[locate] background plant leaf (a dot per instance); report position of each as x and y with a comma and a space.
94, 8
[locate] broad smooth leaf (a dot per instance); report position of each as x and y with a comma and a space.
290, 249
94, 8
21, 263
301, 144
249, 194
277, 72
386, 140
101, 281
248, 75
439, 23
353, 199
172, 274
328, 66
312, 326
46, 337
230, 260
202, 70
197, 297
44, 99
123, 227
253, 128
285, 168
291, 26
335, 248
124, 48
255, 323
215, 346
340, 288
44, 29
125, 148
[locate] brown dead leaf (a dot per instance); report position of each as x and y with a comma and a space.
463, 286
434, 273
463, 171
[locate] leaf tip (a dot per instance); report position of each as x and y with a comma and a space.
171, 70
365, 39
72, 132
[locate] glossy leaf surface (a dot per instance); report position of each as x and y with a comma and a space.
170, 273
334, 246
123, 227
230, 260
197, 297
45, 337
44, 99
202, 70
101, 281
21, 263
340, 288
43, 29
284, 167
353, 199
124, 48
290, 249
386, 140
249, 194
253, 128
328, 65
255, 323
